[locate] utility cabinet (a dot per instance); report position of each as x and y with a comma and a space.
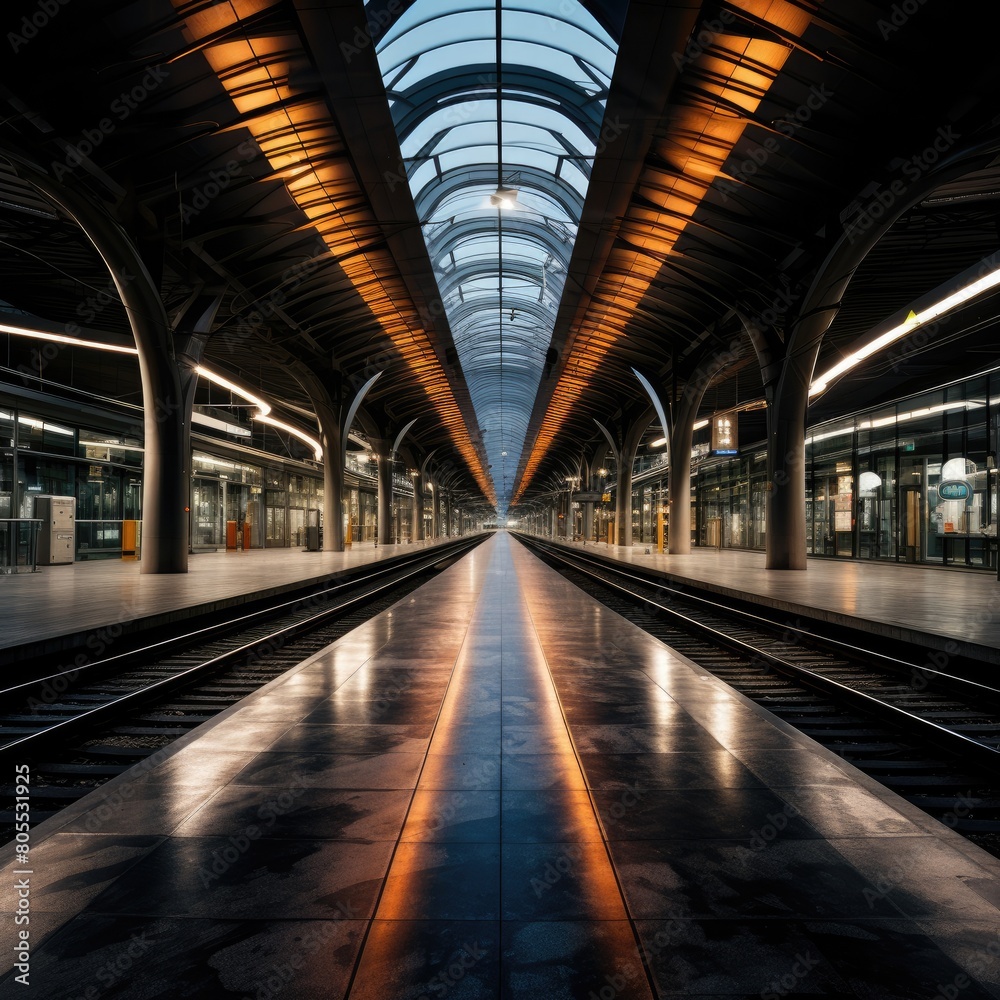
57, 532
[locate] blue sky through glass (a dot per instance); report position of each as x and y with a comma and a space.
500, 270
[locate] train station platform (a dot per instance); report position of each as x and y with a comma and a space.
499, 788
957, 610
70, 605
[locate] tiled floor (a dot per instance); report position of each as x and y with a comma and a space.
501, 789
90, 596
915, 603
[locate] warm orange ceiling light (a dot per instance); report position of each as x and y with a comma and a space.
733, 75
297, 140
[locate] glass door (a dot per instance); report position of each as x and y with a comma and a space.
206, 514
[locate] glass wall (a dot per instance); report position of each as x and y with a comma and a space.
912, 482
7, 502
729, 502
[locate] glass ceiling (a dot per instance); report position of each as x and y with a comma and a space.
474, 114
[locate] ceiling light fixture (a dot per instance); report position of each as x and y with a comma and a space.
913, 321
290, 429
504, 197
60, 338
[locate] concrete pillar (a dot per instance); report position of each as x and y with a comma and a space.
384, 504
435, 511
417, 521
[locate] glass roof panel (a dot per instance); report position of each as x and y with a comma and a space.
501, 267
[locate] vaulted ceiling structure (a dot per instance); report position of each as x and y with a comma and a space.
506, 207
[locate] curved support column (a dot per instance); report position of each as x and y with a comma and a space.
786, 416
623, 500
679, 480
417, 513
333, 478
166, 392
435, 510
384, 503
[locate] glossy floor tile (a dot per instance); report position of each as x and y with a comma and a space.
499, 789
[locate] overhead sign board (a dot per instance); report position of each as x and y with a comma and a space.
724, 434
584, 497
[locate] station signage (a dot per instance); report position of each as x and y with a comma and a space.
724, 434
954, 489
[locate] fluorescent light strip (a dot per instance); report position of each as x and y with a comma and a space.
59, 338
265, 408
301, 435
222, 425
912, 322
44, 425
864, 425
110, 445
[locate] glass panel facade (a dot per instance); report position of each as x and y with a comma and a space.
909, 483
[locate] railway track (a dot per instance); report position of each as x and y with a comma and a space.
930, 734
79, 728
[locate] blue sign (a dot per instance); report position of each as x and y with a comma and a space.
954, 489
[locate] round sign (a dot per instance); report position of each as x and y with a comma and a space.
954, 489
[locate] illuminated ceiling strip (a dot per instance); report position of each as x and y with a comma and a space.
894, 418
206, 420
300, 136
301, 435
59, 338
912, 322
738, 72
263, 407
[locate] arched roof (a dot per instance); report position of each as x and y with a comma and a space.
487, 97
